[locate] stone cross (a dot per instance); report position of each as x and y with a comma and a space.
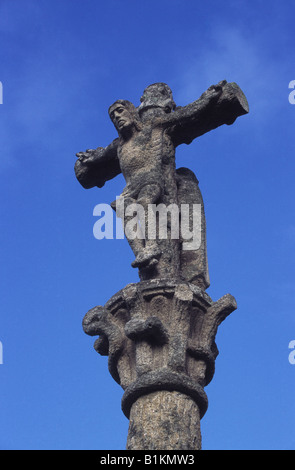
160, 333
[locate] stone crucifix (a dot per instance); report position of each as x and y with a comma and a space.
159, 334
145, 154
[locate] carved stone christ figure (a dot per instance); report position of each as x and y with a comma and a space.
142, 170
145, 154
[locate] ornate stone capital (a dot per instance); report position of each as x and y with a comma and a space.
159, 335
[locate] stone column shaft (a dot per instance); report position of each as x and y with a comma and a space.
164, 420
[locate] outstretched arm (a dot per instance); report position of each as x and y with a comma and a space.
95, 167
220, 104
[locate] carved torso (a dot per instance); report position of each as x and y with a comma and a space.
142, 157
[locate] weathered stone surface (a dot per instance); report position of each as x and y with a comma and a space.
145, 154
164, 421
159, 334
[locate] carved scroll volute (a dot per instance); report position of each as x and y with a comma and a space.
112, 341
202, 349
99, 321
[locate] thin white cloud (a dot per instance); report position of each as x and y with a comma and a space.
234, 56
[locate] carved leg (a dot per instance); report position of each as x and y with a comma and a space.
135, 240
151, 252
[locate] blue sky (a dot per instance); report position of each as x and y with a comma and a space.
62, 64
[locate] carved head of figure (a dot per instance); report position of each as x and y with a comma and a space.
157, 95
124, 116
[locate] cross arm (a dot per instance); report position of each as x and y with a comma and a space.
95, 167
220, 104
